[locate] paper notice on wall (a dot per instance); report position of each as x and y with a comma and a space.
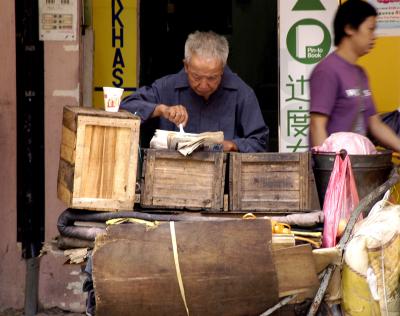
58, 20
388, 21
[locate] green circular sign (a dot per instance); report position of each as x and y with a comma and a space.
308, 41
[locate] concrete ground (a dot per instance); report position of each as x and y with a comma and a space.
47, 312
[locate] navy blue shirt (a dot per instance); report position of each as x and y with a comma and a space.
233, 108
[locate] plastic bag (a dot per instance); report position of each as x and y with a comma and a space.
341, 199
392, 119
354, 144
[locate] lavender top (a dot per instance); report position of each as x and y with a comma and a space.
341, 90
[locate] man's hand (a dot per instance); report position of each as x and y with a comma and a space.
176, 114
229, 146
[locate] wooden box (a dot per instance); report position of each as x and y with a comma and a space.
98, 159
269, 182
173, 181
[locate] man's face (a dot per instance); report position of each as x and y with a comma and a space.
204, 75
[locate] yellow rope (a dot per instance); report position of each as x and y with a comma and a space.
177, 268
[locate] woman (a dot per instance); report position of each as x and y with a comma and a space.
341, 99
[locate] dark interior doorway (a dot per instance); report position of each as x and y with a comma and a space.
30, 129
250, 26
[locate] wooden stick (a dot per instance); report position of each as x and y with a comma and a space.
283, 302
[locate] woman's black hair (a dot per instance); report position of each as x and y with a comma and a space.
352, 13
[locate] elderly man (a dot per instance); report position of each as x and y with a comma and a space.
205, 96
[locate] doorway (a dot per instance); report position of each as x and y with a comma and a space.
250, 27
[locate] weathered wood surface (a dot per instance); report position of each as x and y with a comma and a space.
295, 269
269, 182
226, 267
98, 159
173, 181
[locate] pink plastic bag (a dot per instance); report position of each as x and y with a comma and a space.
354, 144
341, 199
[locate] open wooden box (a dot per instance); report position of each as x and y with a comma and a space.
98, 159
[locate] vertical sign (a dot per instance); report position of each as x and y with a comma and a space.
115, 47
304, 39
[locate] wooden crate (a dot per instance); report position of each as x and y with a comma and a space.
269, 182
173, 181
98, 159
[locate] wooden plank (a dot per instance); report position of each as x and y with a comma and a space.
70, 118
100, 204
181, 203
271, 181
183, 191
219, 182
271, 157
295, 269
235, 181
68, 144
147, 187
172, 154
269, 205
313, 199
226, 269
93, 112
66, 175
64, 194
272, 195
67, 153
305, 166
267, 166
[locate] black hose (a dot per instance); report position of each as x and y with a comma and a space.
67, 219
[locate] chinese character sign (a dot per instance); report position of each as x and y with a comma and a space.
305, 39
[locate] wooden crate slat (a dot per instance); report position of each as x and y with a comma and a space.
270, 181
146, 197
305, 166
181, 192
183, 183
235, 181
179, 203
271, 195
270, 157
267, 166
273, 206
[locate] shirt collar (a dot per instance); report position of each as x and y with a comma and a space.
228, 80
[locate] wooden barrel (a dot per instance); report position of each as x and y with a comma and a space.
218, 268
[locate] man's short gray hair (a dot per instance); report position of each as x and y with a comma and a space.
207, 44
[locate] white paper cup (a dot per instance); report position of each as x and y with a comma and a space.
112, 98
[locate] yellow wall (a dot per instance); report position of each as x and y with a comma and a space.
383, 67
114, 66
